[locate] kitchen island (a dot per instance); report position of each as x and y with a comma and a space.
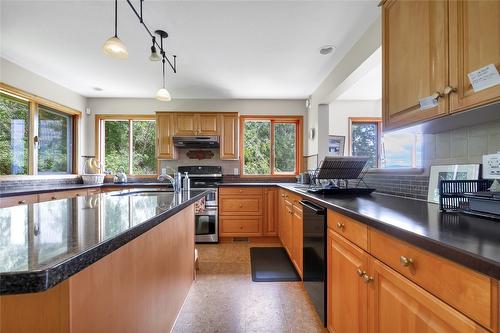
120, 261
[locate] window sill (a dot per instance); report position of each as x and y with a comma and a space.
402, 171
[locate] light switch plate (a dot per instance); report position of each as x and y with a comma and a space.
491, 166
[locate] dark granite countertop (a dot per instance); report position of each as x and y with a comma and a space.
36, 189
42, 244
471, 241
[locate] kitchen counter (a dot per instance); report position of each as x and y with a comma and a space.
45, 243
471, 241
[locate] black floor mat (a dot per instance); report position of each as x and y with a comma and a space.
271, 264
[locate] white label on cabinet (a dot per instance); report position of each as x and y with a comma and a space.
428, 102
484, 78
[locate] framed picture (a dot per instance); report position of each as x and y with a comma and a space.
449, 172
336, 145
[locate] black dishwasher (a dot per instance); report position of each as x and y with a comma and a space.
314, 255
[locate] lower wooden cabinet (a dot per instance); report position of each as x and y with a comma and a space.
297, 238
369, 292
270, 205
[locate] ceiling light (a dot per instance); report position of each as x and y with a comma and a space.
327, 49
154, 55
114, 47
163, 95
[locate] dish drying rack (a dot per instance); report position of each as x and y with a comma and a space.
341, 172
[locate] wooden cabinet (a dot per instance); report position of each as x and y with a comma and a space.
398, 305
18, 200
61, 195
196, 124
297, 241
429, 47
474, 43
415, 65
164, 133
290, 228
229, 145
270, 221
240, 211
347, 292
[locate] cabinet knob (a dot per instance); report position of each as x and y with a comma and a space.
340, 225
241, 205
448, 90
367, 278
53, 198
21, 202
405, 261
241, 191
282, 195
360, 272
437, 95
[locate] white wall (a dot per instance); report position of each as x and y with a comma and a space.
369, 42
150, 106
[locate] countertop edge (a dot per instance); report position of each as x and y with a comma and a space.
16, 282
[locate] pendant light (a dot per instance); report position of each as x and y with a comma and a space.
154, 55
163, 94
114, 47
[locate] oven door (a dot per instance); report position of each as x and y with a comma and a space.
205, 225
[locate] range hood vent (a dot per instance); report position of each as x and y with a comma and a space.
210, 141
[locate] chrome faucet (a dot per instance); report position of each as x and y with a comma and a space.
176, 182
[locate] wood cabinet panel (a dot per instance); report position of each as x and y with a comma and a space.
164, 133
241, 205
469, 292
270, 221
240, 225
398, 305
229, 144
185, 124
61, 195
18, 200
354, 231
288, 227
297, 239
207, 124
347, 292
474, 43
415, 59
240, 190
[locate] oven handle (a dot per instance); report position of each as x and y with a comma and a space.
316, 209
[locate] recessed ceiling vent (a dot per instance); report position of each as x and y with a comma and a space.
327, 49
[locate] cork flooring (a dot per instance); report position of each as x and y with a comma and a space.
224, 298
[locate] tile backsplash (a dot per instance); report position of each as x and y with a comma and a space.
227, 166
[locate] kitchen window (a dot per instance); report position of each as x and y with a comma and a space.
127, 144
37, 136
395, 150
271, 146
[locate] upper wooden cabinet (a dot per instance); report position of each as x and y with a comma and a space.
196, 124
164, 133
429, 47
474, 43
229, 136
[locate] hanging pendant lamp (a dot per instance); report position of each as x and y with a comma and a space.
154, 55
114, 47
163, 94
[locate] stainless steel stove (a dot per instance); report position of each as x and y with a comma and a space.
206, 215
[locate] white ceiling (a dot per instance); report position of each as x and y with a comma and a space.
225, 49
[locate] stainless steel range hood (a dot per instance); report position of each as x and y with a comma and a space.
210, 141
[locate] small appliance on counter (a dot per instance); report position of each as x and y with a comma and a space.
91, 171
120, 178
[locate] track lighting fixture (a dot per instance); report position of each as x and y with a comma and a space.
114, 47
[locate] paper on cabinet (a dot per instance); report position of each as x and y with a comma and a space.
484, 78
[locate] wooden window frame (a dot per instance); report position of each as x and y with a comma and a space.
298, 120
34, 102
378, 121
99, 143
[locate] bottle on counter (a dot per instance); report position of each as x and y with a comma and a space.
186, 184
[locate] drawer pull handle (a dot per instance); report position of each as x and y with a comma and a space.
282, 195
241, 205
241, 191
53, 198
360, 272
341, 226
367, 278
22, 202
405, 261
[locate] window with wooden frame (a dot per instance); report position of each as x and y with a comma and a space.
126, 143
270, 146
395, 150
37, 136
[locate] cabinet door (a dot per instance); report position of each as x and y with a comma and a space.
164, 131
282, 212
399, 305
297, 241
270, 211
415, 59
229, 137
185, 124
287, 228
207, 124
347, 293
474, 43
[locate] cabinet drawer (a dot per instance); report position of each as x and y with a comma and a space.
292, 197
240, 205
18, 200
61, 195
239, 225
469, 292
243, 190
354, 231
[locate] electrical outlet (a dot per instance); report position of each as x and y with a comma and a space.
236, 171
163, 171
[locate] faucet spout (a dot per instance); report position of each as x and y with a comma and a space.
175, 183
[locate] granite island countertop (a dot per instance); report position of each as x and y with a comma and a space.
42, 244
